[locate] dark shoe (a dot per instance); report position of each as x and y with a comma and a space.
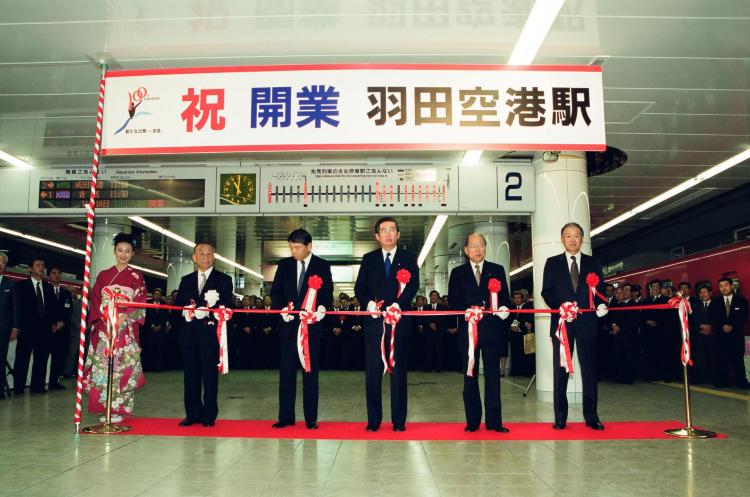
470, 429
187, 422
558, 426
209, 424
399, 428
312, 426
372, 428
596, 425
500, 429
281, 425
57, 386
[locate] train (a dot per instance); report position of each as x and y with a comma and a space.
701, 268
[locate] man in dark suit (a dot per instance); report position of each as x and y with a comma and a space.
200, 348
8, 325
468, 286
729, 315
433, 335
564, 281
702, 337
290, 285
61, 308
623, 327
655, 326
520, 325
155, 335
34, 305
377, 283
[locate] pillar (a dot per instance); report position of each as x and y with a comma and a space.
102, 251
561, 197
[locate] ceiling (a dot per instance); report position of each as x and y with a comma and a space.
676, 73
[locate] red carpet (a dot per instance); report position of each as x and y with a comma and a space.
615, 430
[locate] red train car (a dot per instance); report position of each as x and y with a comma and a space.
731, 261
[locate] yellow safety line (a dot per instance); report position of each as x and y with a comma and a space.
709, 391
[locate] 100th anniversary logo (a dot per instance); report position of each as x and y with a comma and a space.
136, 99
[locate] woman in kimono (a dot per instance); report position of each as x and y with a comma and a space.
120, 282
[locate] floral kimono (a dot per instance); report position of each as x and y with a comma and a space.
127, 375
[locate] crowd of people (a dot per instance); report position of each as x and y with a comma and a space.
646, 344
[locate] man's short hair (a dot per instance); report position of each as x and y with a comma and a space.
571, 225
517, 292
205, 242
300, 235
4, 257
52, 268
728, 280
387, 219
466, 241
651, 283
687, 284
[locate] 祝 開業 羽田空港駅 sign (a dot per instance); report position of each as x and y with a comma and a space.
353, 107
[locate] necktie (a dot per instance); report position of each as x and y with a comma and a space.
57, 293
574, 274
39, 299
387, 264
477, 274
727, 306
301, 277
202, 283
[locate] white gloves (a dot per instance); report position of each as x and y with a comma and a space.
601, 310
288, 318
393, 306
320, 313
502, 313
372, 308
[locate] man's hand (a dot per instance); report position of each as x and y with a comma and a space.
246, 330
337, 331
705, 329
728, 328
267, 330
615, 328
433, 326
651, 323
529, 326
356, 327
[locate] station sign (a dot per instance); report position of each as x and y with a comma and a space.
353, 107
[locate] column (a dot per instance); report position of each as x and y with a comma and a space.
226, 244
561, 197
103, 252
498, 249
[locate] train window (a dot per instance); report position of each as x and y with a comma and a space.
666, 283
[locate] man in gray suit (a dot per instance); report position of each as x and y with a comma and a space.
8, 325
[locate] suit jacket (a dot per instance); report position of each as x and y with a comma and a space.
463, 292
373, 285
7, 313
62, 308
701, 315
558, 289
284, 287
737, 318
187, 294
521, 318
24, 299
438, 320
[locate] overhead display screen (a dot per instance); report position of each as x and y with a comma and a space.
124, 194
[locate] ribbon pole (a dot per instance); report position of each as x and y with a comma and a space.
688, 431
90, 214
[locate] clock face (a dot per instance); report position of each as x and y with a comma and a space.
237, 189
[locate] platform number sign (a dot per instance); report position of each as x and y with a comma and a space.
515, 188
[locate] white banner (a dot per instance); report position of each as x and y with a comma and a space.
353, 107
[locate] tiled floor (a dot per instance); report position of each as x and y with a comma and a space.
39, 456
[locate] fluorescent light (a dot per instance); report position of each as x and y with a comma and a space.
538, 24
522, 268
431, 237
67, 248
685, 185
15, 161
191, 244
700, 178
471, 157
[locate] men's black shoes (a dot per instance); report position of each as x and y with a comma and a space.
596, 425
558, 426
281, 425
312, 426
57, 386
470, 429
372, 428
209, 424
399, 428
499, 429
187, 422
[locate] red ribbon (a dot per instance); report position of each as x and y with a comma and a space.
683, 308
307, 317
473, 315
391, 318
111, 317
569, 310
494, 287
592, 280
222, 315
404, 277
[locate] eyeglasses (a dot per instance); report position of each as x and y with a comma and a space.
388, 230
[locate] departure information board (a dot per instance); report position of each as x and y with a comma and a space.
125, 190
124, 194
